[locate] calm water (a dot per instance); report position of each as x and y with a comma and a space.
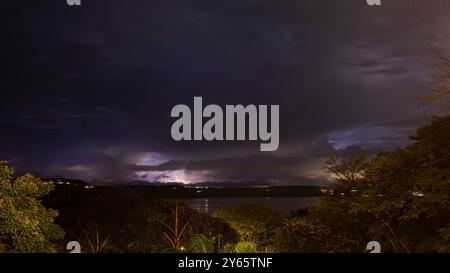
280, 204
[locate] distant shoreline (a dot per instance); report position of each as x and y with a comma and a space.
193, 191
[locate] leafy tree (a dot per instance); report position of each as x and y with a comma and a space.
254, 223
201, 244
442, 93
404, 194
333, 225
308, 234
400, 198
408, 190
25, 224
247, 247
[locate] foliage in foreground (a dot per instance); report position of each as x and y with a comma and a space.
25, 224
399, 198
254, 223
127, 219
199, 243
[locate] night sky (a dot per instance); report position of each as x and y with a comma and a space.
86, 92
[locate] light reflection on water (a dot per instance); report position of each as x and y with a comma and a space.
282, 205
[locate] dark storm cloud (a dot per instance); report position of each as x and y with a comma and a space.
78, 82
37, 117
274, 169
